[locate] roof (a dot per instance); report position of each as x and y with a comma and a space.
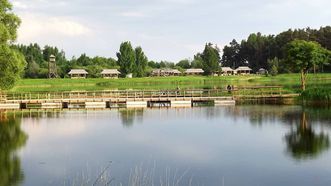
227, 69
175, 71
52, 56
78, 71
110, 71
243, 68
194, 70
262, 69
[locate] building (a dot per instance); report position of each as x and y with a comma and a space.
110, 73
262, 71
227, 71
78, 73
243, 70
194, 71
166, 72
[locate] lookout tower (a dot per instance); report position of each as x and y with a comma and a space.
52, 72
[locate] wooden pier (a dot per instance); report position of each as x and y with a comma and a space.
129, 99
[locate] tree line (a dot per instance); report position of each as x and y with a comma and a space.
270, 51
257, 51
129, 60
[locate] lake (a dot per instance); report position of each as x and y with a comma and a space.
230, 146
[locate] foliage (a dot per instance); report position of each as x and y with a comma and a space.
304, 55
11, 62
211, 59
11, 66
184, 64
258, 48
231, 55
273, 66
126, 58
140, 63
197, 61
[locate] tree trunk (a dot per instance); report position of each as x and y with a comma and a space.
303, 80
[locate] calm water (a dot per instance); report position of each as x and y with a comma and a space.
242, 145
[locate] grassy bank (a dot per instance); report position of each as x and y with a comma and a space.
288, 81
321, 94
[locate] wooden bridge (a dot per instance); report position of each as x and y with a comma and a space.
134, 98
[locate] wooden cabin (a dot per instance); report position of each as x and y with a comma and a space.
194, 71
78, 73
226, 71
110, 73
166, 72
243, 70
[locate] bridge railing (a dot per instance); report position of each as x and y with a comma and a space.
140, 94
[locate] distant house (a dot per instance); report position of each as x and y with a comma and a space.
110, 73
78, 73
165, 72
243, 70
194, 71
262, 71
227, 71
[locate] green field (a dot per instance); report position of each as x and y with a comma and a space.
290, 82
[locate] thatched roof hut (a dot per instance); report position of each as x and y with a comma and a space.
78, 73
194, 71
110, 73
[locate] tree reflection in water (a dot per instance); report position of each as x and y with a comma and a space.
129, 115
12, 138
303, 142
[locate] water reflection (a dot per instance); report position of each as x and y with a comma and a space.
304, 142
128, 116
12, 138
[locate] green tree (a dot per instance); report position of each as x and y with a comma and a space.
211, 59
126, 58
185, 64
231, 55
273, 66
197, 61
304, 55
141, 62
11, 60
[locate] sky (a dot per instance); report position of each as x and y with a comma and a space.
168, 30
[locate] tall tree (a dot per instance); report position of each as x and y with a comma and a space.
304, 55
231, 56
11, 61
141, 62
126, 58
211, 59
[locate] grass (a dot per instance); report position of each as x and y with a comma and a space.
290, 82
317, 94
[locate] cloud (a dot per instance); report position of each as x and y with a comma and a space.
34, 26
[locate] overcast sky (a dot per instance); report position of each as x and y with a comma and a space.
166, 29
